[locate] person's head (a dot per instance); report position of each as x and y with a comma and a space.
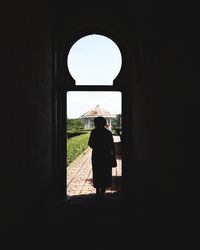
99, 122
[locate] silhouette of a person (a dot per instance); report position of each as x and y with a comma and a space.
103, 153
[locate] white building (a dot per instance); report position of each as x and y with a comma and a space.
89, 116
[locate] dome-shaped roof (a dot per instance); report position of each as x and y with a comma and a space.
97, 111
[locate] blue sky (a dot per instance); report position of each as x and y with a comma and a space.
93, 60
79, 102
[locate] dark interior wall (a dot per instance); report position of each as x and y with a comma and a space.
26, 104
165, 108
162, 78
160, 43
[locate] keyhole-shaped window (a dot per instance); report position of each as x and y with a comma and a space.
94, 60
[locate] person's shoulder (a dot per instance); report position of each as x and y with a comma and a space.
93, 131
108, 131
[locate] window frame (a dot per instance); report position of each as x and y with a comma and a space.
64, 83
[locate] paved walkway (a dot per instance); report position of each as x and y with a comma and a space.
79, 174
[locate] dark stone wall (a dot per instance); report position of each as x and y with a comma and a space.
165, 109
26, 110
161, 78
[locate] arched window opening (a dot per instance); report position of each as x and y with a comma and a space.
94, 60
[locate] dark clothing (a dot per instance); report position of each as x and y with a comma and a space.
101, 142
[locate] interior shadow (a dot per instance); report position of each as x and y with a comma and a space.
113, 194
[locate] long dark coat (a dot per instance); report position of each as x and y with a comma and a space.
101, 142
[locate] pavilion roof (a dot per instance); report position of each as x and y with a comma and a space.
97, 111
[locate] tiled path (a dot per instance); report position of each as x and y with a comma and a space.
79, 174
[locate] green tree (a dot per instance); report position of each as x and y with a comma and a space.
75, 124
117, 122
